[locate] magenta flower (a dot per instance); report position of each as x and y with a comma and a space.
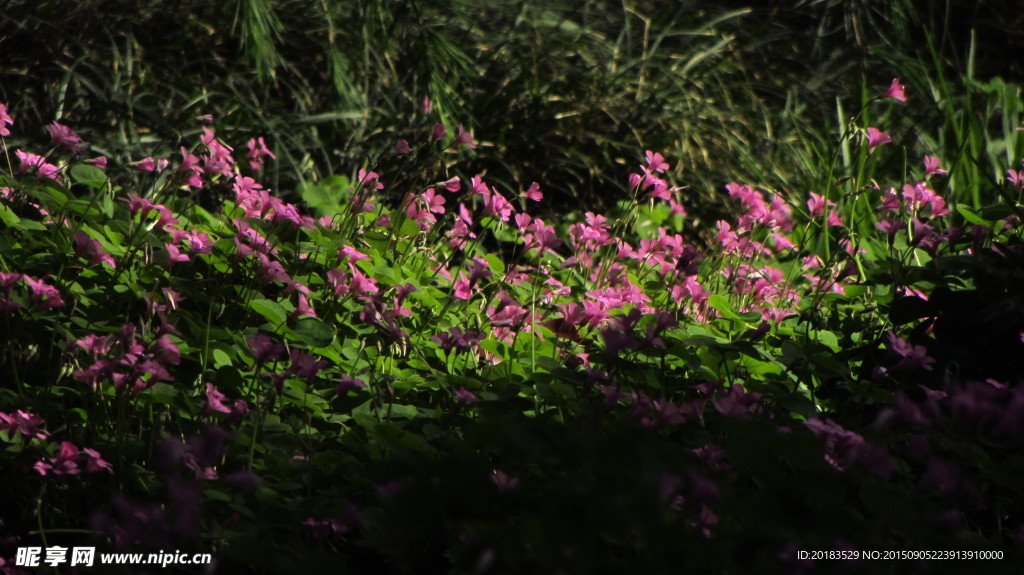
9, 280
433, 201
816, 205
27, 423
361, 283
895, 91
91, 249
402, 147
148, 164
215, 401
304, 309
349, 383
352, 254
174, 255
194, 172
504, 481
46, 296
463, 138
534, 193
368, 179
438, 132
38, 164
264, 349
95, 463
1016, 178
911, 355
877, 138
64, 136
5, 120
497, 205
931, 166
257, 151
890, 201
655, 162
219, 159
137, 204
63, 464
465, 396
305, 365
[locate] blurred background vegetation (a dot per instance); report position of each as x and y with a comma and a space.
567, 94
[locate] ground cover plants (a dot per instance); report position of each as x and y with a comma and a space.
429, 377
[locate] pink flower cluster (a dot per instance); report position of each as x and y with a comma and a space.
40, 294
72, 461
126, 360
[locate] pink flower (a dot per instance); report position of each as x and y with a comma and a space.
64, 136
257, 151
95, 463
497, 205
91, 249
215, 401
5, 120
816, 205
1016, 178
42, 168
174, 255
63, 464
219, 159
465, 396
931, 166
46, 296
304, 309
348, 383
434, 201
895, 91
352, 254
263, 349
369, 178
534, 193
438, 132
911, 355
27, 423
463, 138
655, 162
877, 138
100, 162
890, 201
137, 204
361, 283
402, 147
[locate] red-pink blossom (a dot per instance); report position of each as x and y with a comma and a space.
64, 136
895, 91
877, 138
5, 120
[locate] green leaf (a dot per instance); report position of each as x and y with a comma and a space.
271, 310
971, 217
9, 217
88, 176
721, 303
496, 265
829, 340
220, 358
314, 332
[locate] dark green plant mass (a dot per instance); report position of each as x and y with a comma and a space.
426, 287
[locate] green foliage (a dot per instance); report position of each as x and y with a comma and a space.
412, 360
